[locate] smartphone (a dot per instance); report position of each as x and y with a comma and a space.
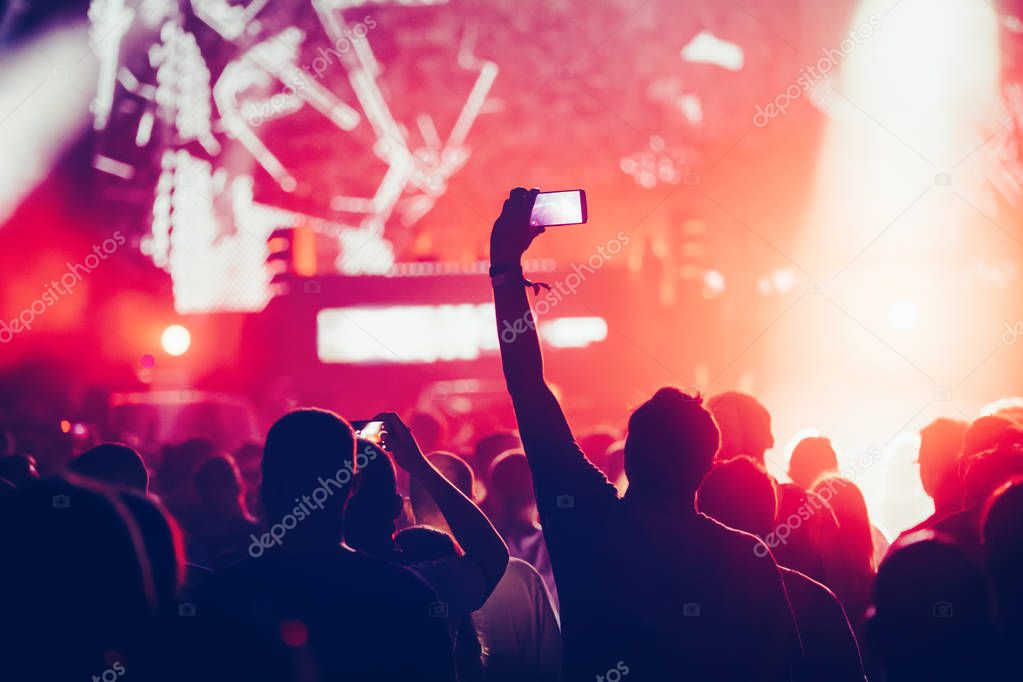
368, 430
565, 207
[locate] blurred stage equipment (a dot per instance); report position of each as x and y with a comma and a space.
210, 90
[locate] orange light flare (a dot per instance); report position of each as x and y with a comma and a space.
899, 316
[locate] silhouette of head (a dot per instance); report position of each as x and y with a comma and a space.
990, 432
811, 458
164, 545
429, 429
74, 550
179, 463
309, 452
488, 448
670, 446
374, 505
218, 483
423, 544
987, 471
456, 470
113, 464
1010, 408
1002, 523
940, 444
745, 425
510, 499
739, 493
931, 619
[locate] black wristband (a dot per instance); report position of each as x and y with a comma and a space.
505, 269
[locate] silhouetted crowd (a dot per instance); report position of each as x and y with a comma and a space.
670, 553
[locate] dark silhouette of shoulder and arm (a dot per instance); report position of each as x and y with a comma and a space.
304, 602
741, 494
469, 526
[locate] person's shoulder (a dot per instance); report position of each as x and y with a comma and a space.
799, 583
814, 602
520, 576
956, 523
735, 543
377, 571
522, 570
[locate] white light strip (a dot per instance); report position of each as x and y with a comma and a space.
428, 333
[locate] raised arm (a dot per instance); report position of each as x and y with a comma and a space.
516, 328
468, 524
559, 466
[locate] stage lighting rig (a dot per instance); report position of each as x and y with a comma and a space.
213, 94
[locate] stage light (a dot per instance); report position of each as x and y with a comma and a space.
574, 332
428, 333
176, 340
713, 284
903, 314
707, 48
65, 426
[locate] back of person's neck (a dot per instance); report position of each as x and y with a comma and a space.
680, 507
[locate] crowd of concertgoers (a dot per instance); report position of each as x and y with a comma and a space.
534, 555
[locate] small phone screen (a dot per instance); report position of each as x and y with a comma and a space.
558, 208
371, 431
